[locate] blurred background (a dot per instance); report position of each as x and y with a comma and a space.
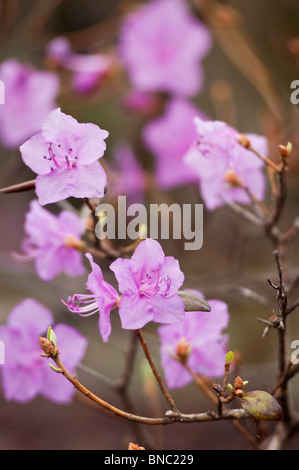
247, 84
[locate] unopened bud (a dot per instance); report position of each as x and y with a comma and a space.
74, 242
183, 350
238, 383
244, 141
233, 179
135, 447
47, 346
239, 393
283, 151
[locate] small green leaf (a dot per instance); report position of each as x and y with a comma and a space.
289, 147
54, 368
230, 387
261, 406
51, 336
229, 357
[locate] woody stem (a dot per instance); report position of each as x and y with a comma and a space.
161, 384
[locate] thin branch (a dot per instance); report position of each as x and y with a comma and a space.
245, 213
20, 187
123, 382
170, 417
160, 382
293, 307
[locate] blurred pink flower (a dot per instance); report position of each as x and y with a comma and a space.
25, 373
169, 137
59, 50
215, 153
29, 97
203, 332
87, 70
141, 102
149, 282
51, 241
161, 45
102, 299
128, 177
65, 157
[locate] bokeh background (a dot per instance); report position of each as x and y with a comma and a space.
234, 253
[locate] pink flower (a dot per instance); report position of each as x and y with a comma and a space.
169, 137
65, 157
161, 45
203, 332
59, 50
149, 282
102, 298
141, 102
25, 373
52, 241
215, 154
29, 97
87, 70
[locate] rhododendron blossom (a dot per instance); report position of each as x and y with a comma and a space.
102, 298
202, 333
65, 157
30, 95
87, 70
26, 374
217, 158
161, 45
148, 283
169, 137
52, 242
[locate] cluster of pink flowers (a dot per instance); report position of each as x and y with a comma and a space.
161, 45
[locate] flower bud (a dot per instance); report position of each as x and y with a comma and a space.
239, 393
233, 179
244, 141
73, 242
238, 383
47, 346
135, 447
183, 350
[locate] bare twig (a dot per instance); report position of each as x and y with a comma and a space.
170, 417
20, 187
160, 382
